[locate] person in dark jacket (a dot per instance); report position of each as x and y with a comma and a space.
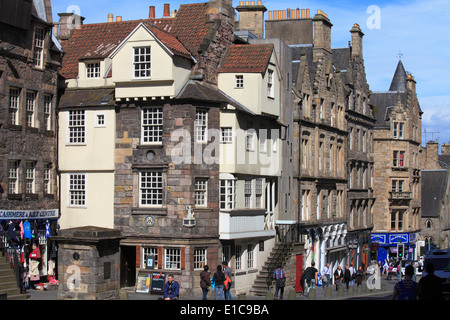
219, 278
171, 289
347, 277
205, 281
431, 285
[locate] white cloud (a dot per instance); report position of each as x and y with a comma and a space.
436, 118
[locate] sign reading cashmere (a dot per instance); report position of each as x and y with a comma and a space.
28, 214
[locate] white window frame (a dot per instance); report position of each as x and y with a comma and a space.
270, 84
142, 62
239, 84
47, 178
250, 255
14, 105
201, 126
100, 120
13, 176
200, 258
172, 259
201, 192
31, 108
92, 70
238, 257
396, 159
248, 194
148, 251
76, 127
151, 125
30, 177
250, 137
226, 135
151, 188
77, 190
227, 194
39, 43
259, 191
399, 129
48, 106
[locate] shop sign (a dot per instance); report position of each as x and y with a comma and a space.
398, 238
28, 214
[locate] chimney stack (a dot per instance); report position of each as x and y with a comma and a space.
151, 12
68, 23
118, 19
166, 10
322, 33
357, 41
110, 17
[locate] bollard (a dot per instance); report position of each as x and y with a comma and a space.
312, 294
383, 287
328, 293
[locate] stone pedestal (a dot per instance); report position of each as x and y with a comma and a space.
88, 263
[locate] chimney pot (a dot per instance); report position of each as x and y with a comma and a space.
284, 14
110, 17
259, 3
118, 19
252, 3
241, 3
307, 13
270, 15
166, 10
303, 14
151, 13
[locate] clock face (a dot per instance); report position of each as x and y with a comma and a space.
149, 221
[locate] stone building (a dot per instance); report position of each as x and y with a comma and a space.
397, 170
29, 61
434, 222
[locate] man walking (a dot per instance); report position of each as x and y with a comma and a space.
280, 280
326, 271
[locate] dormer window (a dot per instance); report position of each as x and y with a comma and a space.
142, 62
270, 91
93, 70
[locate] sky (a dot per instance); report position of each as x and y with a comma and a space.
415, 31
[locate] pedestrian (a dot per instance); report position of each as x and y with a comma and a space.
407, 289
359, 276
385, 267
338, 276
205, 281
311, 276
280, 281
171, 289
390, 271
347, 277
326, 271
228, 273
352, 274
431, 285
219, 279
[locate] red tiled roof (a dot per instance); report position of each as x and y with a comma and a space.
190, 26
247, 58
97, 41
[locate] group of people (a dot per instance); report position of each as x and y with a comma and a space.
220, 282
428, 288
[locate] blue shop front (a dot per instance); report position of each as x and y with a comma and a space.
387, 244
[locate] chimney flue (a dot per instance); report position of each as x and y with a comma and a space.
151, 12
166, 10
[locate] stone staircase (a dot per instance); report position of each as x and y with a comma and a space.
8, 282
280, 253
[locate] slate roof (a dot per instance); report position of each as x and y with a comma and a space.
383, 103
246, 58
399, 80
87, 98
195, 90
434, 184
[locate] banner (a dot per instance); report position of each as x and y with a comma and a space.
28, 214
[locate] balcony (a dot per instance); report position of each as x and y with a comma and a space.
245, 223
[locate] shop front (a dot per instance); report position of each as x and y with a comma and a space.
28, 245
394, 245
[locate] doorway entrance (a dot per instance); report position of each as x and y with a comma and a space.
127, 266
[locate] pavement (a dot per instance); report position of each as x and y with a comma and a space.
387, 287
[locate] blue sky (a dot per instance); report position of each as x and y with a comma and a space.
419, 29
